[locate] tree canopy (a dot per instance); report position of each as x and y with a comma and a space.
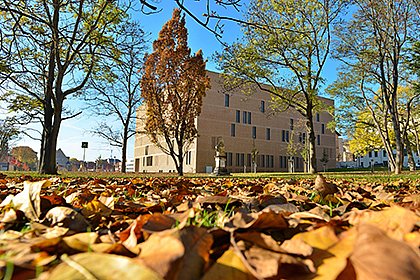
173, 86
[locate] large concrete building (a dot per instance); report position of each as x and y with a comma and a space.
244, 122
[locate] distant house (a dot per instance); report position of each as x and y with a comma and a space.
63, 161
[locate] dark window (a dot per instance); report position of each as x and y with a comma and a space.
249, 117
370, 154
283, 135
262, 107
291, 124
188, 158
254, 132
262, 160
244, 117
272, 161
229, 159
267, 134
267, 161
146, 150
384, 153
226, 100
287, 136
238, 116
317, 117
300, 137
149, 161
376, 153
323, 128
248, 159
232, 130
242, 160
237, 159
318, 139
304, 138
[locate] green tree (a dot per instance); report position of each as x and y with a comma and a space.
283, 52
173, 86
372, 45
114, 91
55, 48
8, 133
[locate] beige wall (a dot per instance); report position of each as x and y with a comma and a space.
216, 120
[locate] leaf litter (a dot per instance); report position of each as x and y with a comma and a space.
208, 228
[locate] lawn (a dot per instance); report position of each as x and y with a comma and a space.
245, 226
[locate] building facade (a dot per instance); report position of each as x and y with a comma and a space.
245, 123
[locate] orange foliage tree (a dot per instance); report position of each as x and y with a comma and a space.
173, 86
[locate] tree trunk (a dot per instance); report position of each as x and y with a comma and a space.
312, 147
411, 162
48, 163
180, 159
124, 152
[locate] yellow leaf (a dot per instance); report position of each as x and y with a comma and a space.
229, 267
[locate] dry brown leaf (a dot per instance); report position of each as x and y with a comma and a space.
395, 221
377, 256
323, 187
266, 219
260, 239
228, 267
82, 241
66, 217
100, 266
96, 207
161, 251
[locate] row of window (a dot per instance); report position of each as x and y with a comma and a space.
246, 117
262, 109
227, 103
285, 134
264, 161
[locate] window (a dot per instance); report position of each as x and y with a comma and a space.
304, 138
271, 162
285, 135
267, 134
149, 161
232, 130
317, 117
229, 159
242, 160
318, 139
384, 153
244, 117
248, 159
188, 158
226, 100
249, 117
262, 107
283, 162
323, 128
262, 160
376, 153
238, 116
370, 154
146, 150
254, 132
238, 163
291, 124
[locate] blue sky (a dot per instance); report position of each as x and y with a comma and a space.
74, 131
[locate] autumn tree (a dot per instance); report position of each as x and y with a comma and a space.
55, 47
25, 155
372, 45
173, 86
114, 90
283, 52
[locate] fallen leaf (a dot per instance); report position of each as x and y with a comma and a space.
66, 217
228, 267
323, 187
100, 266
377, 256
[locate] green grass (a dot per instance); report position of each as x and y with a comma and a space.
346, 174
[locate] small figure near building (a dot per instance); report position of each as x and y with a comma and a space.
220, 159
